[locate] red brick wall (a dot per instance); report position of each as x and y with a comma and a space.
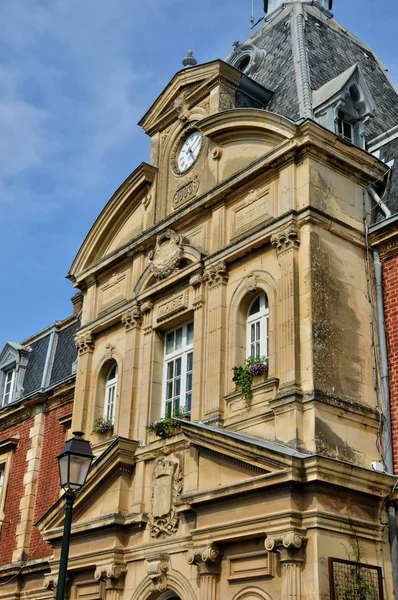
390, 281
48, 482
15, 489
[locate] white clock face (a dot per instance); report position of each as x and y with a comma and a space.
189, 151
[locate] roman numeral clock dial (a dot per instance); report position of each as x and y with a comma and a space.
189, 151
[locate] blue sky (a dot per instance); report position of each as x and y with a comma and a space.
75, 78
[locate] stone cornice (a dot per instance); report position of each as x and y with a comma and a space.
9, 443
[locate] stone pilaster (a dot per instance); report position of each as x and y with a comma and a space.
128, 394
113, 576
290, 548
27, 503
217, 277
147, 367
198, 303
287, 243
85, 346
208, 561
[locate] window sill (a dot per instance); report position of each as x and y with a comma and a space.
262, 393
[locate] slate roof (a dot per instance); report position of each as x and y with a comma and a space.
65, 354
35, 368
330, 50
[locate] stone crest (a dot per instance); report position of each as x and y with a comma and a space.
164, 259
167, 487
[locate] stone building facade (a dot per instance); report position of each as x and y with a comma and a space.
244, 236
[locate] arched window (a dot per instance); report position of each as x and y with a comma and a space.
257, 327
110, 393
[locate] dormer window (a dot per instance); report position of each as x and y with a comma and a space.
343, 105
8, 386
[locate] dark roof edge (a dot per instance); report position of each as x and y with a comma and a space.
383, 224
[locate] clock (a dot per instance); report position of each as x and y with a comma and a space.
189, 151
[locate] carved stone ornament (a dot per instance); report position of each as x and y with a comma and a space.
50, 582
182, 108
146, 307
207, 558
216, 274
109, 348
196, 280
251, 282
84, 343
146, 200
286, 239
288, 545
186, 192
132, 318
157, 568
165, 258
112, 571
167, 487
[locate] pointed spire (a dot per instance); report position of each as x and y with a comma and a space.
271, 5
189, 60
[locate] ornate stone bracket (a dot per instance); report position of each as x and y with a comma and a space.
198, 299
286, 239
157, 567
251, 283
216, 274
146, 310
50, 582
84, 343
132, 318
113, 575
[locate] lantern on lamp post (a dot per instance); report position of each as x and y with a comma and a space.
74, 463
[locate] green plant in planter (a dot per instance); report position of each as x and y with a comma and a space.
166, 425
103, 425
243, 376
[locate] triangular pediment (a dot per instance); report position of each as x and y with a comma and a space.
121, 220
230, 462
9, 354
338, 88
188, 87
102, 497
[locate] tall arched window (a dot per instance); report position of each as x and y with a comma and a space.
257, 327
110, 393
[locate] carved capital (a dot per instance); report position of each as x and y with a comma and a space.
84, 343
157, 567
146, 307
289, 546
207, 559
216, 274
286, 239
132, 318
196, 280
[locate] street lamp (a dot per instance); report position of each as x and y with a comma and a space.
74, 463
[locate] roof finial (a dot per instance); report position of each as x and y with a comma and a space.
189, 60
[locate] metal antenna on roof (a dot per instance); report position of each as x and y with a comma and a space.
252, 23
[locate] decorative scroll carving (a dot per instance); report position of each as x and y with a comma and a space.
146, 200
198, 296
167, 487
164, 259
216, 274
290, 547
109, 351
146, 310
84, 343
286, 239
291, 540
157, 569
206, 558
146, 307
132, 318
112, 571
196, 280
186, 192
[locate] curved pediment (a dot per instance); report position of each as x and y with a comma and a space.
120, 220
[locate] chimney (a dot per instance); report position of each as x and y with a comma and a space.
77, 301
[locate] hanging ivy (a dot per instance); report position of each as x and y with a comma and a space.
243, 376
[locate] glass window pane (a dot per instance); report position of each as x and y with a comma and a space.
169, 390
252, 333
189, 382
190, 333
188, 402
168, 409
179, 339
190, 361
170, 342
255, 307
177, 367
170, 369
176, 404
258, 330
177, 386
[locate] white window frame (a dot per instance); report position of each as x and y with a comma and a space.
7, 397
185, 353
110, 394
258, 323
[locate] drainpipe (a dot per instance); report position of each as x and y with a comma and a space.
385, 393
379, 202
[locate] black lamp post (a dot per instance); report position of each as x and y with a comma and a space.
74, 463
